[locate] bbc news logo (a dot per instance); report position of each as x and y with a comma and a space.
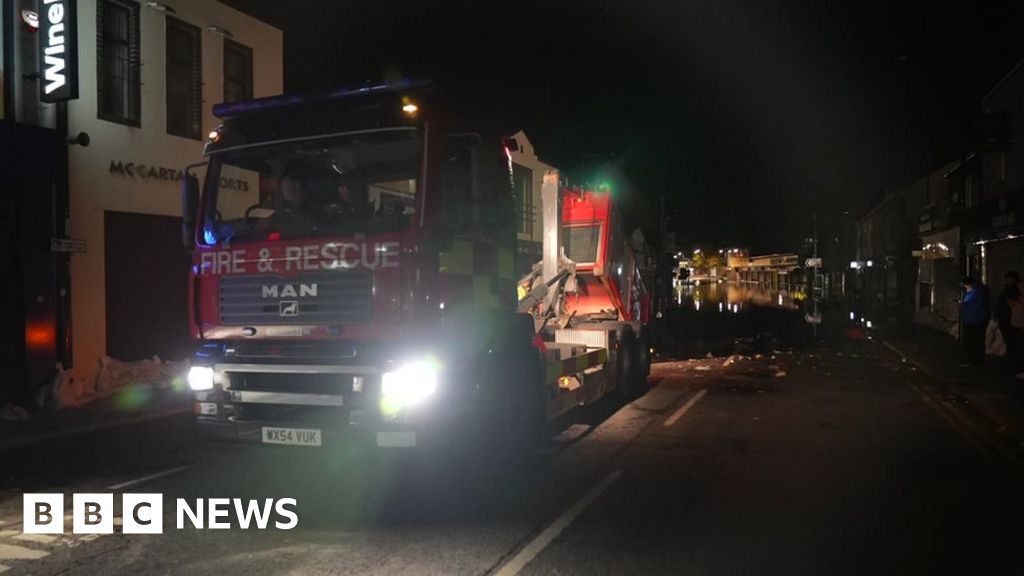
143, 513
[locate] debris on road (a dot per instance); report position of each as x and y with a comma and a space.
12, 413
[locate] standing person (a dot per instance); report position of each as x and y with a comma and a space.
975, 312
1014, 337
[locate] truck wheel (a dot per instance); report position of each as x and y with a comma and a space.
644, 360
514, 418
504, 437
513, 425
624, 363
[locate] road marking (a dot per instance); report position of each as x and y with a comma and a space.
953, 416
37, 538
573, 433
12, 552
538, 544
956, 422
689, 404
149, 478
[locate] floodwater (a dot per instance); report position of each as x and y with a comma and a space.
722, 318
736, 297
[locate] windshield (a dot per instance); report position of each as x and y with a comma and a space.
355, 183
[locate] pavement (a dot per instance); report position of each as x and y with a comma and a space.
991, 391
131, 405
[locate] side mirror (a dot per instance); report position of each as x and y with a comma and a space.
189, 207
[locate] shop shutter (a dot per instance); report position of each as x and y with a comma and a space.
146, 286
1001, 257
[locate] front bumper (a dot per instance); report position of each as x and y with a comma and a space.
251, 431
293, 397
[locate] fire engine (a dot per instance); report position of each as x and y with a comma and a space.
361, 285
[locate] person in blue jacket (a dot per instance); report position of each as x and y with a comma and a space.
975, 313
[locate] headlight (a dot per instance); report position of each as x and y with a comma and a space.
200, 378
410, 384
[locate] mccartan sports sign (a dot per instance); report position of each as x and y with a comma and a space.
58, 50
151, 172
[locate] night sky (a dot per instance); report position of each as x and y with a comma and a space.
748, 116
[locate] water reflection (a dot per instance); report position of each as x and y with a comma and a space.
734, 297
722, 318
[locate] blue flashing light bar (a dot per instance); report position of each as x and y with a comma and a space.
225, 110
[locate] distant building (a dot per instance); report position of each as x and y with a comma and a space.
736, 258
999, 244
769, 271
951, 193
884, 272
966, 217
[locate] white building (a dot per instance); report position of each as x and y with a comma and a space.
148, 76
528, 175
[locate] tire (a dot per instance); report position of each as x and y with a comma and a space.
513, 418
505, 436
644, 360
624, 363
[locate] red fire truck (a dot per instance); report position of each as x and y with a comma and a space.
352, 278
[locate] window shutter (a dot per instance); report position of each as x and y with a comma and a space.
134, 115
197, 85
101, 77
118, 91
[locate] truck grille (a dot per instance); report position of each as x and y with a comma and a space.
336, 384
317, 298
580, 243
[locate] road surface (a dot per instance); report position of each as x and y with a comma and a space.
833, 459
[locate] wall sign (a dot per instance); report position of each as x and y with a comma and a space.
150, 172
67, 245
58, 50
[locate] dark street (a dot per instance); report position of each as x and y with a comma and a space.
824, 459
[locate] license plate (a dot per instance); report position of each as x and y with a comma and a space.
291, 436
396, 439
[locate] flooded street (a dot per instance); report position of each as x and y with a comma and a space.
722, 318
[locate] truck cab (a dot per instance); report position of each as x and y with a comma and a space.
352, 269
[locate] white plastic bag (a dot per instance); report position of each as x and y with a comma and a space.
994, 343
115, 374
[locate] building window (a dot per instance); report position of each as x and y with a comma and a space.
184, 80
237, 72
117, 61
522, 182
969, 197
